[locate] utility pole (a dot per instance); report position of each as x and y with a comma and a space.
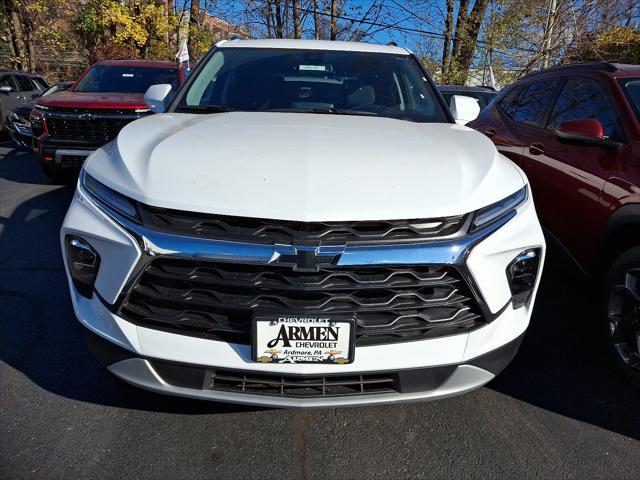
548, 32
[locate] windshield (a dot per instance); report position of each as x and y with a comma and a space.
120, 79
631, 88
313, 81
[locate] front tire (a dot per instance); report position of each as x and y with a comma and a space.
622, 313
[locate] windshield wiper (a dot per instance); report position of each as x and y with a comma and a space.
325, 110
205, 108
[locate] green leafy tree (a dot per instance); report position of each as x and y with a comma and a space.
108, 29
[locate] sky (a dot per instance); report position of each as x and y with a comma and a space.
393, 13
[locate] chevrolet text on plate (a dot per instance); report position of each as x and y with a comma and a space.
303, 224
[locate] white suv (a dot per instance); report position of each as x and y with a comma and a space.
304, 226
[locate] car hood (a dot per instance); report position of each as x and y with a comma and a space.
307, 167
24, 109
69, 99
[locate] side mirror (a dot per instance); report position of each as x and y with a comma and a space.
588, 131
464, 109
156, 96
6, 89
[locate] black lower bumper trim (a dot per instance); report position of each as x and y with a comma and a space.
200, 377
498, 359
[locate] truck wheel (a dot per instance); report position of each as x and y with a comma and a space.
622, 303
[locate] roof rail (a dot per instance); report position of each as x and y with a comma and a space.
604, 66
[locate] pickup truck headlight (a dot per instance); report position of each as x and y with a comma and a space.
110, 198
497, 210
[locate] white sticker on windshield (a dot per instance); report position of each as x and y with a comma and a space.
312, 68
127, 74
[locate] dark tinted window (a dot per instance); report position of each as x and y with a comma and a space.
112, 78
40, 83
25, 83
314, 81
631, 88
489, 97
533, 102
7, 81
581, 99
510, 100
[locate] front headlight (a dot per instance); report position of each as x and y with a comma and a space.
21, 120
110, 198
497, 210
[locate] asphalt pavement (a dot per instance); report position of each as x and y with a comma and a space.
558, 411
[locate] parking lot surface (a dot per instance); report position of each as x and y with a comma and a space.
557, 412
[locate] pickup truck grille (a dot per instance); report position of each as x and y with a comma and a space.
294, 232
218, 300
94, 130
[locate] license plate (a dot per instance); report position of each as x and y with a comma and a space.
303, 339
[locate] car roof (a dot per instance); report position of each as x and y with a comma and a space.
313, 45
603, 68
465, 88
20, 72
138, 63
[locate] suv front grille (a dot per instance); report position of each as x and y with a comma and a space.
295, 232
218, 300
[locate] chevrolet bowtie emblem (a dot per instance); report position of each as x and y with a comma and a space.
307, 259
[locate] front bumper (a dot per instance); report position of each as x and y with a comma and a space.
20, 134
170, 378
486, 260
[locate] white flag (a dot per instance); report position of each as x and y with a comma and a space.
183, 54
492, 78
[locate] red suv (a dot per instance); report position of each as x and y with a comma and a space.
575, 131
68, 126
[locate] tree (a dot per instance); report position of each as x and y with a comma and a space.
619, 44
316, 20
110, 29
333, 25
297, 24
470, 32
448, 28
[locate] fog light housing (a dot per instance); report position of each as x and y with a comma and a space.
83, 262
521, 274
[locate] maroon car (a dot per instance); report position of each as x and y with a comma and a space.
575, 131
68, 126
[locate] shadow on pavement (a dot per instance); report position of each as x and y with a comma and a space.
560, 367
562, 364
39, 335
